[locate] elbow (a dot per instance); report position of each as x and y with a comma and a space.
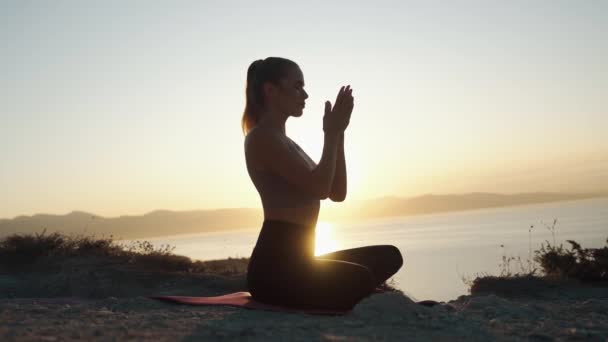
324, 195
322, 191
318, 193
337, 197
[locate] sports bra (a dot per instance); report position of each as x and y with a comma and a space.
276, 191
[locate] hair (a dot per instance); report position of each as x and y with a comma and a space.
271, 69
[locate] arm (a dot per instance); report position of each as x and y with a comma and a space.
326, 169
276, 156
338, 188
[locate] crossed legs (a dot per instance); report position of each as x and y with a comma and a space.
336, 280
383, 261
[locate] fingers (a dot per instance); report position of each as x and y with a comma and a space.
344, 104
347, 99
349, 94
344, 97
349, 104
339, 97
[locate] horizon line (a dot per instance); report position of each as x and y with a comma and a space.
599, 193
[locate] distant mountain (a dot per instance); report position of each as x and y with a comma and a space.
166, 222
425, 204
155, 223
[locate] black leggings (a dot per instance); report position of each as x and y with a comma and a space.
283, 269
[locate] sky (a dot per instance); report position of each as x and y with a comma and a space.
125, 107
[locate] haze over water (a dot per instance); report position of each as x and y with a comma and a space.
439, 249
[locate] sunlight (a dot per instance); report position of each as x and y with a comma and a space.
324, 240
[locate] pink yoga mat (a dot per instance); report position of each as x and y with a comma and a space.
243, 299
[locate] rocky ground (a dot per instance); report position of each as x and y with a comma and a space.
109, 303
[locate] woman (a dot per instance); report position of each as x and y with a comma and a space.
283, 269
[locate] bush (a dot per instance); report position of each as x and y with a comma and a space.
586, 264
43, 251
553, 263
23, 249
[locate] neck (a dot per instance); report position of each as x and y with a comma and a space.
274, 119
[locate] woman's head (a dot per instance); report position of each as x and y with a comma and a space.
276, 83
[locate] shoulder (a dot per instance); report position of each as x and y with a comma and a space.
261, 139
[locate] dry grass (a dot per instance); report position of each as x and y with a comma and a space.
550, 265
42, 252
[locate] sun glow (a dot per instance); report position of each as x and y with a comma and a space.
324, 239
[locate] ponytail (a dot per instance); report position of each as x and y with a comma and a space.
251, 115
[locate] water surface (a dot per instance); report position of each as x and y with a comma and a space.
439, 249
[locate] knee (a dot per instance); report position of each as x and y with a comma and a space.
395, 256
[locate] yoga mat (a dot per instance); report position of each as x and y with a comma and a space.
243, 299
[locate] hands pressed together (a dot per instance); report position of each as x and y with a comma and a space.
336, 119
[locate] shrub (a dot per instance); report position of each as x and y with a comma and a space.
47, 252
586, 264
554, 263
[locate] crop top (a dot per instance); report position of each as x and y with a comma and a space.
276, 191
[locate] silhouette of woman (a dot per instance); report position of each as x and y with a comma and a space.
283, 269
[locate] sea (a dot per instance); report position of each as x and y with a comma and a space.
442, 252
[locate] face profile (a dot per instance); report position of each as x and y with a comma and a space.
290, 95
